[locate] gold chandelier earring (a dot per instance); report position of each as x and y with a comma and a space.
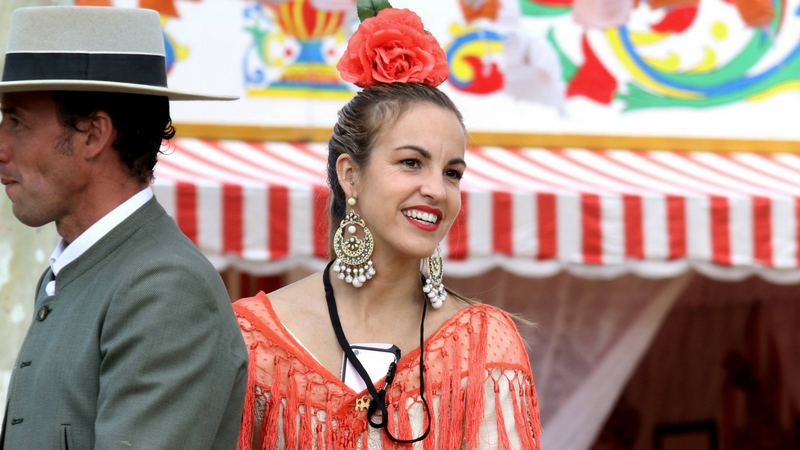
353, 264
434, 286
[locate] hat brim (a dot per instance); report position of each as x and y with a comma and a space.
106, 86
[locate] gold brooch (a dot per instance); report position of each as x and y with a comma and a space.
362, 403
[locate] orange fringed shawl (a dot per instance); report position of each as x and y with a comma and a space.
478, 384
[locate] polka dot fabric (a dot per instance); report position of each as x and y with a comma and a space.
478, 384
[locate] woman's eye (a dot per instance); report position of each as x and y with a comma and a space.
454, 174
411, 163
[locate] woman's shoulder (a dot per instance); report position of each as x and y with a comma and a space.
495, 332
296, 294
476, 314
256, 302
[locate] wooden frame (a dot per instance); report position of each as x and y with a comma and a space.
707, 428
479, 138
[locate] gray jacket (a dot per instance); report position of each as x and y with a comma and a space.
138, 349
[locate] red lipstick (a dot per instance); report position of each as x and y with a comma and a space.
425, 209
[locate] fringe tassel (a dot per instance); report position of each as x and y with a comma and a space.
501, 421
365, 439
269, 428
290, 413
534, 412
430, 442
444, 404
328, 425
320, 437
306, 436
523, 425
457, 401
404, 430
246, 430
388, 444
476, 396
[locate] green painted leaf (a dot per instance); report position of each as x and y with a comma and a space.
568, 68
530, 8
370, 8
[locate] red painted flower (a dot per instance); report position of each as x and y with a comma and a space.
393, 47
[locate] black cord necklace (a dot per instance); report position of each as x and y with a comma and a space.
378, 397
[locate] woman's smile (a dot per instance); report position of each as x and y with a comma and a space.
423, 217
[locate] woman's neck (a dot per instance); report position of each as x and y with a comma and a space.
395, 288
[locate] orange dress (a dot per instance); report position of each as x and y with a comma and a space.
478, 384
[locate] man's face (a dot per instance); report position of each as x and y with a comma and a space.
38, 164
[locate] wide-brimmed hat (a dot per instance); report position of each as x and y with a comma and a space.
82, 48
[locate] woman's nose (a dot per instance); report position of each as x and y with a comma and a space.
433, 187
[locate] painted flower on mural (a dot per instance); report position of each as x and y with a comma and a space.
393, 47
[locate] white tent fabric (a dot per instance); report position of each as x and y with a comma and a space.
262, 207
575, 425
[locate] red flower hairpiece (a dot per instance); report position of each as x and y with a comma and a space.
393, 47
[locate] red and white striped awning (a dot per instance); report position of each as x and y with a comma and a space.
262, 206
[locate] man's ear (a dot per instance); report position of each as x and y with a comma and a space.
346, 171
99, 134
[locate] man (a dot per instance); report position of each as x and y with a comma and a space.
133, 343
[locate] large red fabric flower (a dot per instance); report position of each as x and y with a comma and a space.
393, 47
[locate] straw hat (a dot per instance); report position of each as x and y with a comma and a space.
82, 48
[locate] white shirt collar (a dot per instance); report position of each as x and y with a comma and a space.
65, 254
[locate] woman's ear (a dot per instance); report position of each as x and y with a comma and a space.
346, 172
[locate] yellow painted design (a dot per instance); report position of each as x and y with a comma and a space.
333, 24
286, 16
708, 63
668, 64
181, 52
461, 69
276, 61
281, 92
319, 24
456, 29
783, 87
647, 38
616, 45
311, 72
719, 31
297, 15
330, 25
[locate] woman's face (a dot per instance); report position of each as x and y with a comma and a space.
409, 193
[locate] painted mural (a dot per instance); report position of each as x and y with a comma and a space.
702, 68
662, 53
475, 60
173, 50
294, 50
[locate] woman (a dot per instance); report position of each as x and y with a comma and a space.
395, 161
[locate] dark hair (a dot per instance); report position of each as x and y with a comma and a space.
362, 121
142, 123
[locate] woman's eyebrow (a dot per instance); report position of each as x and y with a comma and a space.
457, 161
425, 154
